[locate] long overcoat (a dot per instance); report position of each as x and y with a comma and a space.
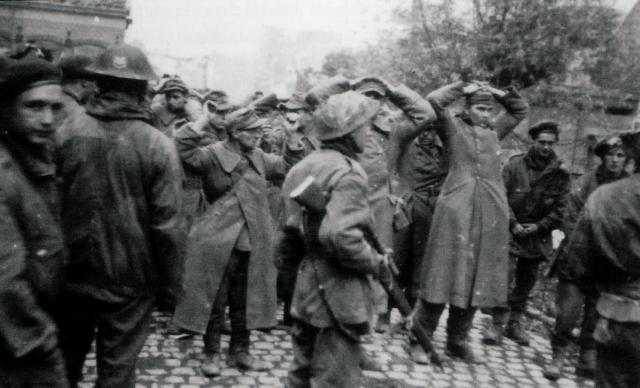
466, 258
237, 199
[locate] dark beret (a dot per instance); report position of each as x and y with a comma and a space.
75, 66
605, 145
544, 126
25, 74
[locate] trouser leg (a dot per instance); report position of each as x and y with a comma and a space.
44, 371
428, 314
336, 360
77, 323
238, 304
215, 326
569, 302
525, 278
122, 331
303, 338
589, 320
459, 324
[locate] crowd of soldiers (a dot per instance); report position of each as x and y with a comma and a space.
121, 193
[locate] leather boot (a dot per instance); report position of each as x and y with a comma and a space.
553, 371
211, 365
493, 334
461, 350
244, 361
515, 331
586, 363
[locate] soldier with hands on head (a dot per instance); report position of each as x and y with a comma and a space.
229, 259
466, 260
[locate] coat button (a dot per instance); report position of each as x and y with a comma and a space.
41, 253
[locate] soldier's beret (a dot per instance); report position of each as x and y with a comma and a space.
544, 126
606, 145
28, 73
75, 66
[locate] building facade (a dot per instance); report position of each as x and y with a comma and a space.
63, 26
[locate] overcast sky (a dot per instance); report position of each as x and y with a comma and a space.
235, 28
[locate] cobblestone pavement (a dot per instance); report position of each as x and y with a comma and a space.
170, 363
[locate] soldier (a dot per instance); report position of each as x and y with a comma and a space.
77, 83
122, 202
332, 303
379, 158
603, 252
425, 172
173, 113
537, 187
230, 249
217, 105
31, 243
466, 259
570, 301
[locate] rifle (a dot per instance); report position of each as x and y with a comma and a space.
311, 197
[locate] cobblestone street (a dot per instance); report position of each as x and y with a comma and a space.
166, 363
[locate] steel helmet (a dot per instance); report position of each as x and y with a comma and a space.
343, 114
123, 61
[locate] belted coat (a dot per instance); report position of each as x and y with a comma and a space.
466, 259
238, 197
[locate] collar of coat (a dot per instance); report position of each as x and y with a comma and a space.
35, 161
229, 158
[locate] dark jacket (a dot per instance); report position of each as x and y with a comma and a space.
31, 248
604, 248
535, 196
239, 201
333, 284
122, 202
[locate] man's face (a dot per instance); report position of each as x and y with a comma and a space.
615, 160
176, 101
37, 113
247, 138
544, 143
480, 114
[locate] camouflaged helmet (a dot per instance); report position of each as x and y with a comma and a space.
342, 114
125, 62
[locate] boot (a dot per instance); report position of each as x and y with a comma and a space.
244, 361
382, 326
461, 350
586, 363
368, 363
493, 334
211, 365
515, 331
553, 371
418, 355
